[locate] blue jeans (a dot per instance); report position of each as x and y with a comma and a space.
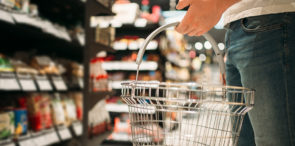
261, 56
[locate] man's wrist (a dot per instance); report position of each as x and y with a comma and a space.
225, 4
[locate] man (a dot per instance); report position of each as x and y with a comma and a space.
260, 42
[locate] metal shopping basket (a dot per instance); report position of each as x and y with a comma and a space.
185, 114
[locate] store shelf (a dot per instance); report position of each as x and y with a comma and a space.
33, 33
115, 84
138, 108
7, 142
117, 108
10, 82
65, 12
121, 65
45, 137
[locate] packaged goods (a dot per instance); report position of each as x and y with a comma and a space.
39, 111
8, 3
5, 64
69, 110
78, 100
33, 105
44, 65
46, 119
57, 111
21, 121
105, 36
6, 124
21, 67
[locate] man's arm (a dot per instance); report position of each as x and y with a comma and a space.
202, 15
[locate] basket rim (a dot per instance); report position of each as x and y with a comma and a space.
192, 84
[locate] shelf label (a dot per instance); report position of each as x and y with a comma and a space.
25, 19
40, 140
78, 129
8, 81
64, 133
26, 82
51, 138
27, 142
27, 85
5, 16
43, 83
59, 84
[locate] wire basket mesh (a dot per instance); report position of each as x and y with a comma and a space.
185, 114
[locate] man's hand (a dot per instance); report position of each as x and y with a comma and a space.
202, 15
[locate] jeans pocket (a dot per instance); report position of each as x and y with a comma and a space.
260, 23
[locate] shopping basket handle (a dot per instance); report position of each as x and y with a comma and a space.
207, 36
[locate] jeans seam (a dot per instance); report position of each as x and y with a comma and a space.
261, 29
285, 68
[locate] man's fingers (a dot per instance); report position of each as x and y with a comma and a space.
181, 28
193, 33
201, 32
182, 4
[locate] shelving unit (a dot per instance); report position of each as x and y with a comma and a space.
21, 32
44, 38
92, 8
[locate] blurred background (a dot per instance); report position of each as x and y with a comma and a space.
62, 63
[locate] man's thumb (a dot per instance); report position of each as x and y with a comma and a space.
182, 4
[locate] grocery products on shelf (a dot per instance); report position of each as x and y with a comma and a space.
41, 73
7, 125
99, 119
98, 75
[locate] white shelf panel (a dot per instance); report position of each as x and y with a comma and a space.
123, 108
121, 65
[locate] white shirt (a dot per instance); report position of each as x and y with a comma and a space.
247, 8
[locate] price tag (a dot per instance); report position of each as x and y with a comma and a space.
27, 85
25, 19
40, 140
9, 84
59, 84
5, 16
51, 138
44, 85
78, 129
64, 133
27, 142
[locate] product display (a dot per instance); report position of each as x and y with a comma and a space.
21, 121
105, 36
57, 111
69, 110
5, 65
45, 65
78, 100
48, 99
98, 75
7, 123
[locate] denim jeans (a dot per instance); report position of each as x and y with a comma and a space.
261, 56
